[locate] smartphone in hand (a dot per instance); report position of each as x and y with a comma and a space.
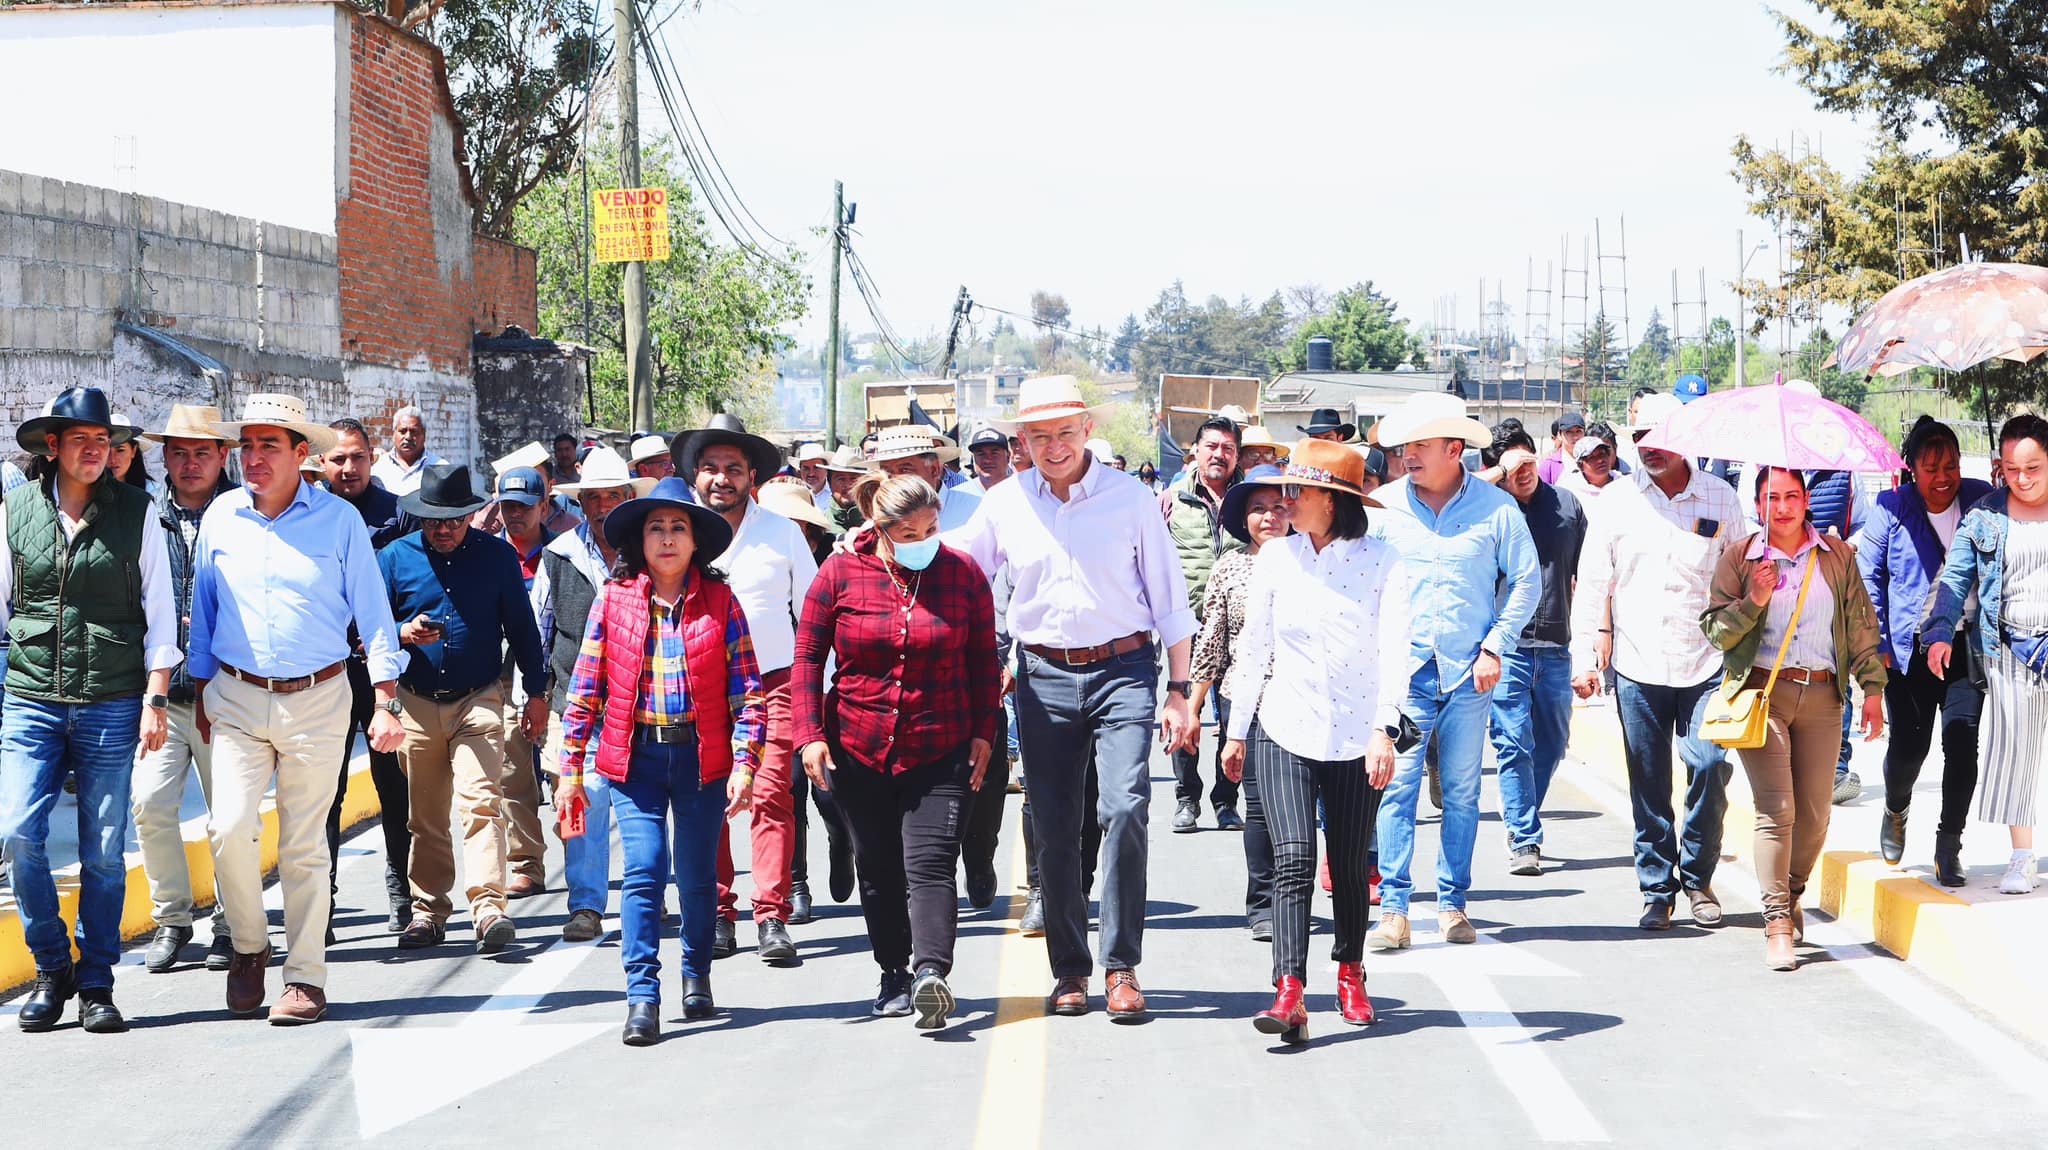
572, 820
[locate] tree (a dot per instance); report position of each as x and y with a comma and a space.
1848, 390
1656, 338
1049, 313
1596, 357
1215, 338
716, 312
1127, 338
1364, 333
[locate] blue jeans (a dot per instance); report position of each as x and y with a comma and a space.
1456, 723
1532, 721
1668, 856
1009, 723
663, 777
587, 858
40, 743
1848, 748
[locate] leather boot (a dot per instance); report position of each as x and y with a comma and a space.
1948, 859
1891, 835
1352, 1001
1778, 945
1287, 1017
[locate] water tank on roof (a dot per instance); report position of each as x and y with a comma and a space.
1321, 356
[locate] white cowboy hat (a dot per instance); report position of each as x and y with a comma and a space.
1432, 415
270, 409
188, 421
1257, 436
604, 468
1653, 410
910, 441
532, 455
1048, 397
812, 453
647, 447
849, 460
790, 498
1102, 449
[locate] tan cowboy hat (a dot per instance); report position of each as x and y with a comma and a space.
1257, 436
270, 409
1431, 415
1235, 413
1048, 397
604, 468
849, 460
910, 441
791, 498
1321, 463
312, 468
532, 455
188, 421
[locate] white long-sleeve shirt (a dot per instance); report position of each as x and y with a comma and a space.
769, 568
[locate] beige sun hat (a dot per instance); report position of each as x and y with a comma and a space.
848, 459
1048, 397
188, 421
272, 409
910, 441
1257, 436
791, 498
604, 468
1432, 415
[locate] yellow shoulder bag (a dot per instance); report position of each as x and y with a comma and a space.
1742, 721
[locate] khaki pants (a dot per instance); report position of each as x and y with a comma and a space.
295, 739
526, 850
158, 794
1792, 778
456, 750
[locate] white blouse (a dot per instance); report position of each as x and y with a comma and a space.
1323, 654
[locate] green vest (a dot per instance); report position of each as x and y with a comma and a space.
78, 626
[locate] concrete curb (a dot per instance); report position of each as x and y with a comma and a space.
18, 966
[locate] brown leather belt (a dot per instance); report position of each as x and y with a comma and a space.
288, 686
1083, 656
1799, 675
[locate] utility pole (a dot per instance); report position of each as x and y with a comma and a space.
953, 342
639, 342
839, 222
1742, 254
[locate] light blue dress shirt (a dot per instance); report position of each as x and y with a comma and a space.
275, 597
1473, 575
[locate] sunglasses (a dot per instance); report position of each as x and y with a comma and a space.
1290, 490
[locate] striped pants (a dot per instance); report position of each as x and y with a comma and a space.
1289, 786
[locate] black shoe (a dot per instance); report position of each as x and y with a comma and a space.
1033, 925
932, 999
163, 950
893, 999
773, 942
1262, 930
331, 940
1891, 835
221, 954
97, 1012
1227, 819
839, 853
401, 913
800, 903
1656, 916
44, 1006
1185, 816
697, 998
643, 1024
724, 938
981, 887
1948, 859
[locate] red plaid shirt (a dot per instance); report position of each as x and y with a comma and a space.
915, 682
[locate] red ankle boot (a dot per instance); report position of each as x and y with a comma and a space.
1287, 1017
1323, 876
1372, 885
1352, 1001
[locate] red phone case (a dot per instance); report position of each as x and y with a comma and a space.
572, 821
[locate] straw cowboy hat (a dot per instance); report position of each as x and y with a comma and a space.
849, 460
188, 421
791, 498
269, 409
912, 441
532, 455
1257, 436
70, 408
1235, 413
1323, 463
646, 447
602, 469
1048, 397
812, 453
726, 430
1431, 415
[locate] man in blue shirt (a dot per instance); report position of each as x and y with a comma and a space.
462, 600
281, 570
1472, 565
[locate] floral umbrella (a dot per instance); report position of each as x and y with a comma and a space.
1778, 426
1955, 318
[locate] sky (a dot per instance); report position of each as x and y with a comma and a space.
1105, 149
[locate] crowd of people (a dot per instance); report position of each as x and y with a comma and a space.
701, 626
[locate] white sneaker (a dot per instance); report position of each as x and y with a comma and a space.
2019, 874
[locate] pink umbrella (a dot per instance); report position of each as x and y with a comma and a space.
1955, 318
1778, 426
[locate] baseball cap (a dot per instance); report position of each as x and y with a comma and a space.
522, 485
987, 437
1571, 419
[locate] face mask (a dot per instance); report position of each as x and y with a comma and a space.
916, 556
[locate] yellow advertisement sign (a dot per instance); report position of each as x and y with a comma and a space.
630, 225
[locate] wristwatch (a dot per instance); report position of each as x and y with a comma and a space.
1182, 687
393, 706
158, 701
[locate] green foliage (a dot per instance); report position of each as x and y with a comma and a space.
1363, 331
1596, 357
1126, 425
1848, 390
1215, 337
716, 313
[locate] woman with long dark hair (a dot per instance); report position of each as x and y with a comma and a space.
1900, 552
667, 682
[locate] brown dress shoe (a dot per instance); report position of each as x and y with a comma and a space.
523, 886
1126, 1002
300, 1005
245, 981
1069, 997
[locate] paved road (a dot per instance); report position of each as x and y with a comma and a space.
1564, 1024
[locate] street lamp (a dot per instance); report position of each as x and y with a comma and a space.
1745, 253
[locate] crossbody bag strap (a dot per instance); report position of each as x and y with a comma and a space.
1792, 628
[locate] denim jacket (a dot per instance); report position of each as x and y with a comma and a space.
1900, 555
1975, 560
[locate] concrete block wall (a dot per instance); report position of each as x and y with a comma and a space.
526, 396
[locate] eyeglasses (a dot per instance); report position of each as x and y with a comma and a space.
1291, 490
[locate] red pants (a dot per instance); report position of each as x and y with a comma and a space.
774, 815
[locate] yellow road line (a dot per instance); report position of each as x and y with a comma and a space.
1013, 1087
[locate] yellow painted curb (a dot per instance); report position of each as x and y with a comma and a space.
18, 966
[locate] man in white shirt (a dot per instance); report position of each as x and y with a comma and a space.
769, 568
398, 470
1643, 580
1095, 577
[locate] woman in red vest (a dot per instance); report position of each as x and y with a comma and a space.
667, 680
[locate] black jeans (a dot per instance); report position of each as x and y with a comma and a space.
828, 809
1913, 699
392, 793
906, 844
1187, 774
985, 815
1290, 787
1091, 837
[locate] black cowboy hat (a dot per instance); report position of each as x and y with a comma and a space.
445, 492
70, 408
725, 430
1327, 419
708, 527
